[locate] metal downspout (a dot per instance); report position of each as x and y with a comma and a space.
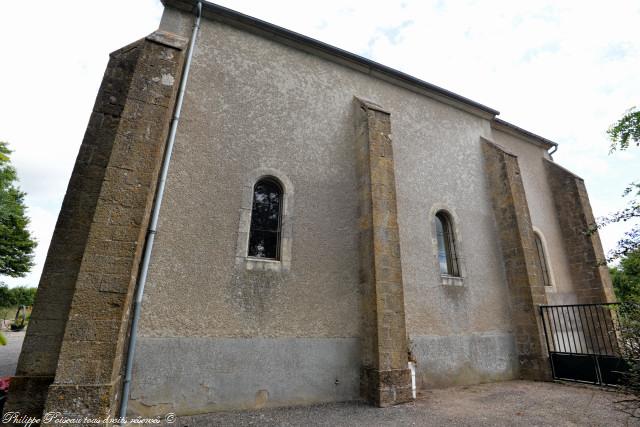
153, 224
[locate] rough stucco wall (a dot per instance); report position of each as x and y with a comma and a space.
242, 373
254, 103
439, 166
543, 213
238, 117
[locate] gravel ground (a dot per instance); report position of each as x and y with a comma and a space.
510, 403
9, 353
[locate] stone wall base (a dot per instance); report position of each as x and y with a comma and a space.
386, 388
94, 401
27, 394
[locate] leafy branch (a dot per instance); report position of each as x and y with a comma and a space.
625, 131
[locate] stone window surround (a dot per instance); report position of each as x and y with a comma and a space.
445, 279
539, 233
242, 247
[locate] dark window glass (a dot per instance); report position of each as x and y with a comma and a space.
447, 257
264, 235
543, 261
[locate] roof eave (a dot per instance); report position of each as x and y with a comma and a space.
514, 130
266, 29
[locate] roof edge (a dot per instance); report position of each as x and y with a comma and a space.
226, 15
514, 130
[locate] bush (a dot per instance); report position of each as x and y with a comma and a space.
629, 334
626, 278
21, 295
6, 296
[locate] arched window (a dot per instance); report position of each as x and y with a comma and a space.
542, 258
264, 234
447, 257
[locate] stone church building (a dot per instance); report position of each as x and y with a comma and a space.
265, 220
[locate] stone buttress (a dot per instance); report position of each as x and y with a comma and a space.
523, 272
72, 358
587, 265
385, 378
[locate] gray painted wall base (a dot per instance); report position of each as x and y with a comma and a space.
464, 359
199, 375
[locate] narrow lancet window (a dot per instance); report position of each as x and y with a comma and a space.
447, 257
264, 235
546, 279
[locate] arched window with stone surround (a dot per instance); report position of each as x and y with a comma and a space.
266, 219
542, 259
447, 256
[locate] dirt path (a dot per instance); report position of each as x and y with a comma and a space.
9, 353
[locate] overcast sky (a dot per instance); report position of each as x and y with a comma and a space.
562, 69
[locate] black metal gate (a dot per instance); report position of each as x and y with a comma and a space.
583, 342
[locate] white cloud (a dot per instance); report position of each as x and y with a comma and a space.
564, 70
54, 56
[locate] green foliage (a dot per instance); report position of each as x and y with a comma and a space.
626, 284
625, 130
622, 133
629, 345
626, 278
21, 295
16, 243
24, 295
6, 297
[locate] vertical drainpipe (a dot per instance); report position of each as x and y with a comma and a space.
153, 224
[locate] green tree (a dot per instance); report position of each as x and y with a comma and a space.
16, 243
623, 133
626, 130
7, 298
626, 278
23, 295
